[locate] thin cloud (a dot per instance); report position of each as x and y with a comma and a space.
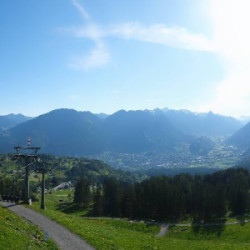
80, 8
97, 58
231, 39
91, 31
176, 37
158, 33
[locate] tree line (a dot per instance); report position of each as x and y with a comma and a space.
11, 186
204, 198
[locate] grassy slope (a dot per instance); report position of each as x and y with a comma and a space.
16, 233
104, 233
233, 234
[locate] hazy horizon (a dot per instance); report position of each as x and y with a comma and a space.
97, 113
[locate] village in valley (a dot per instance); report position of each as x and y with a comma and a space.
221, 156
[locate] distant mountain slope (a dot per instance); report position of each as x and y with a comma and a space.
140, 131
71, 133
11, 120
201, 146
68, 132
208, 124
242, 137
244, 119
60, 132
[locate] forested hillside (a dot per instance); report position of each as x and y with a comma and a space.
63, 169
205, 198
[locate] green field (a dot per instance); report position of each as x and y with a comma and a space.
106, 233
16, 233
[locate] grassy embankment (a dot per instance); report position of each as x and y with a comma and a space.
16, 233
105, 233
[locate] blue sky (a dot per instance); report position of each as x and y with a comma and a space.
103, 56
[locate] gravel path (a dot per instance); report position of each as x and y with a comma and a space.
164, 230
65, 239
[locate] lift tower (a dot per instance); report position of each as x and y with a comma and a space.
43, 169
27, 155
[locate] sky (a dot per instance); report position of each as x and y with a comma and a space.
103, 56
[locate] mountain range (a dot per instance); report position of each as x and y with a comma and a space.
203, 124
11, 120
73, 133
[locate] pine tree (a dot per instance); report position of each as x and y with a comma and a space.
82, 192
112, 198
98, 202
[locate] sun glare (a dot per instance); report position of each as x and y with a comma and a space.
231, 39
231, 28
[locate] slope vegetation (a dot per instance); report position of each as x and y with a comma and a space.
16, 233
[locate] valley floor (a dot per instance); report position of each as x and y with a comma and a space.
222, 156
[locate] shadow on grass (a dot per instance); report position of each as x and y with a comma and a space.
214, 227
72, 208
241, 219
68, 208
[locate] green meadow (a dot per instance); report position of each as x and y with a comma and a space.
112, 233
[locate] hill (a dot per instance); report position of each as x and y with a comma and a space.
63, 169
71, 169
242, 137
198, 124
11, 120
59, 132
141, 131
201, 146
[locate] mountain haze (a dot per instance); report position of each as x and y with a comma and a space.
68, 132
11, 120
140, 131
73, 133
60, 132
242, 137
208, 124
